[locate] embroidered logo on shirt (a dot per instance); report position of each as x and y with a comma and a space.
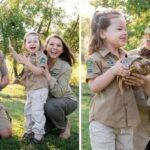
110, 61
89, 66
42, 61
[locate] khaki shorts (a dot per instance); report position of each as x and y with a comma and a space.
5, 120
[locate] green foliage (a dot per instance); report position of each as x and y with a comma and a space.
75, 75
86, 95
72, 35
13, 98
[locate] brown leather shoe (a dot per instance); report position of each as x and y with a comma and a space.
66, 134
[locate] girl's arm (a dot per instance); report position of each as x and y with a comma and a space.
100, 82
36, 70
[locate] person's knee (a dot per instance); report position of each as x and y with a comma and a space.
6, 133
51, 108
75, 105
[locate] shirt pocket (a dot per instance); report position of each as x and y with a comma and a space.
107, 63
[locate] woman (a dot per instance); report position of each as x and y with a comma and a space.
142, 132
61, 101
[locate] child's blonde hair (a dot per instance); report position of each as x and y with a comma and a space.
32, 33
100, 21
148, 28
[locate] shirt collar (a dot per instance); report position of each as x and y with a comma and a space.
105, 51
57, 65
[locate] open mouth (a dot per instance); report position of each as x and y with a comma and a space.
32, 48
54, 53
123, 39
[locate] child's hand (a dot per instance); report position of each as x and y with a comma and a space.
120, 69
23, 59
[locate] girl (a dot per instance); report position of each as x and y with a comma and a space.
61, 100
112, 115
36, 86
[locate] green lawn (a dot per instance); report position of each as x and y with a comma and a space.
86, 96
13, 98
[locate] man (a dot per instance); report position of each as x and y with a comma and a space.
5, 121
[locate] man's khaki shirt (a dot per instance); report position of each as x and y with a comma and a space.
29, 79
109, 106
59, 82
3, 67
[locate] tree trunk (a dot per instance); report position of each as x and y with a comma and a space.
15, 70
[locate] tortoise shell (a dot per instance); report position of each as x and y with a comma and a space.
137, 64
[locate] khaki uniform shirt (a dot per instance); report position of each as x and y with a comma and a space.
109, 106
4, 120
29, 79
59, 82
3, 67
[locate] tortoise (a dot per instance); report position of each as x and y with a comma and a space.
136, 64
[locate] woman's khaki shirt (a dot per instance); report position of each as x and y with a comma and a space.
59, 82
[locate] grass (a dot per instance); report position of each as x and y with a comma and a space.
86, 96
13, 98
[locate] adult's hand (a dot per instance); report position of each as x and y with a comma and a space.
47, 73
138, 80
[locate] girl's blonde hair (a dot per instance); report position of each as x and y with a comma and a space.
100, 21
35, 34
67, 54
148, 27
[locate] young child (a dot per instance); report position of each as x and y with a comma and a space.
112, 115
36, 86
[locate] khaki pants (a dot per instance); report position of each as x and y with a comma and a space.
5, 121
105, 138
34, 111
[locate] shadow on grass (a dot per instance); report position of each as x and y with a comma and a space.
11, 143
71, 143
6, 96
